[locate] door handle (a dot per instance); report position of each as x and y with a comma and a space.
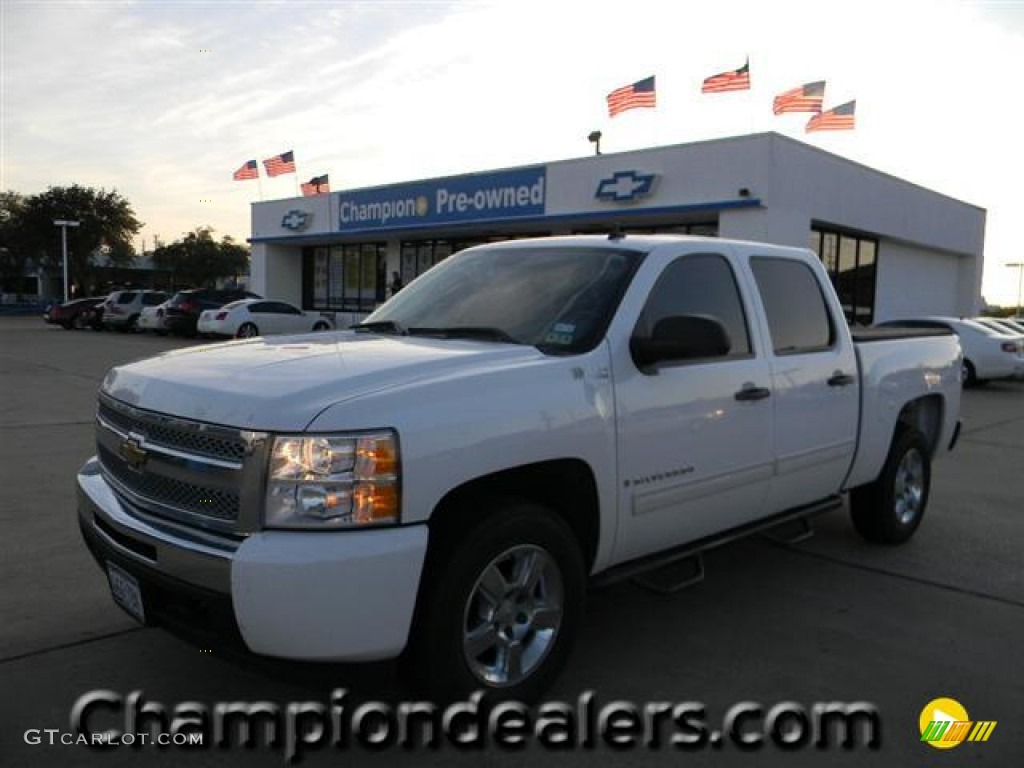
751, 393
840, 379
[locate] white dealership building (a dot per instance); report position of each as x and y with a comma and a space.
892, 248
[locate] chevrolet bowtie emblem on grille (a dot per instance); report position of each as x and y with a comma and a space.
133, 453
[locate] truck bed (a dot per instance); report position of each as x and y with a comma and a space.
866, 335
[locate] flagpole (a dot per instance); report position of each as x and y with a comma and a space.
750, 101
259, 183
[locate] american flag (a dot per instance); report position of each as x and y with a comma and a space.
280, 164
318, 185
806, 98
249, 170
639, 94
836, 119
733, 80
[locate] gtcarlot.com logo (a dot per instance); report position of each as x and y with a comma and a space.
945, 724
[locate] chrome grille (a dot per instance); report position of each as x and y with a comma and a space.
202, 475
208, 502
203, 439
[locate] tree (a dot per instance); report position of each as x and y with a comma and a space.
14, 253
106, 221
197, 259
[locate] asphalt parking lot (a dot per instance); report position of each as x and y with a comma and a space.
828, 619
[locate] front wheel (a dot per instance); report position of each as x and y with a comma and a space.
321, 326
500, 610
969, 374
247, 331
890, 509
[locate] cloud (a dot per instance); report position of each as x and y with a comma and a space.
165, 100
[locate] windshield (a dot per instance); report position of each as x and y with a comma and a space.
557, 299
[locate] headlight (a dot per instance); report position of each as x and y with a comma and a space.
333, 481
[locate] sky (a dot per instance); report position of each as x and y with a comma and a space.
163, 100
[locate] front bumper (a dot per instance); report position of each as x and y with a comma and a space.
324, 596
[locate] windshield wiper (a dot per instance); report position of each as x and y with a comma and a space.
481, 332
381, 326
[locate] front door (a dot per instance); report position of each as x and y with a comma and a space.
695, 437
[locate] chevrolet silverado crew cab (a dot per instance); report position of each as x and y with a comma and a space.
442, 482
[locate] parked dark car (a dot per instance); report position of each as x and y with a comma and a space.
181, 313
76, 313
93, 318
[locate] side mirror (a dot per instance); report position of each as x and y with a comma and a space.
678, 338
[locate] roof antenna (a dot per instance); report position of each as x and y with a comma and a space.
616, 232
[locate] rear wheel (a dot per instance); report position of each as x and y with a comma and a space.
247, 331
321, 326
890, 509
500, 608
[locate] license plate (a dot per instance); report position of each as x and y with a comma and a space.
126, 591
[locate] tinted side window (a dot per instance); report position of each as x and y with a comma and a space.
701, 284
798, 317
126, 297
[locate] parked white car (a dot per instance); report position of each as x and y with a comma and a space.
1003, 325
988, 353
152, 319
260, 317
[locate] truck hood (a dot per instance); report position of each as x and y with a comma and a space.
282, 384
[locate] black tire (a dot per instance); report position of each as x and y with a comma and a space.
970, 375
247, 331
321, 326
890, 509
530, 556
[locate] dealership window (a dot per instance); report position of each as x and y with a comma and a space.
850, 261
344, 278
420, 255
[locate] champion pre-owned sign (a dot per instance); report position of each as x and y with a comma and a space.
492, 197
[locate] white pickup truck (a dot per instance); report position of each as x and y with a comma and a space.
444, 481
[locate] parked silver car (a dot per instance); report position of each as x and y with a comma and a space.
122, 308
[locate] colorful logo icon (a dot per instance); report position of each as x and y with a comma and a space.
945, 724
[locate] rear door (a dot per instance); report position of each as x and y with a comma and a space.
695, 437
291, 319
263, 315
815, 381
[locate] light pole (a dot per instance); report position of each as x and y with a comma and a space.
1019, 266
64, 224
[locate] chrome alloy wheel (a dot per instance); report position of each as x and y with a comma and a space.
513, 615
908, 492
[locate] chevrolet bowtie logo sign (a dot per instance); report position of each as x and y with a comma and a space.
133, 453
625, 186
296, 220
